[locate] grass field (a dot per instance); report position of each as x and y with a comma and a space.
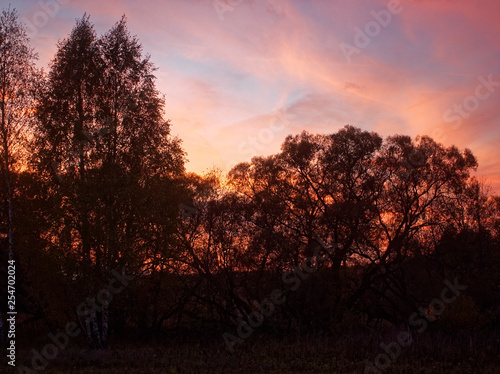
432, 352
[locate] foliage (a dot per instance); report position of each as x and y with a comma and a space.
106, 190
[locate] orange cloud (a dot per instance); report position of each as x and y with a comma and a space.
225, 79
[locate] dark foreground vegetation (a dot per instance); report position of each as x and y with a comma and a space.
432, 353
344, 252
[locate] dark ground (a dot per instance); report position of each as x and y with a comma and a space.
430, 352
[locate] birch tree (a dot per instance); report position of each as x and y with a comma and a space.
17, 91
104, 139
67, 117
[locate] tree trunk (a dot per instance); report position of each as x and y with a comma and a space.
10, 205
104, 325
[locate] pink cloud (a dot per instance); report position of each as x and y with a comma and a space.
224, 79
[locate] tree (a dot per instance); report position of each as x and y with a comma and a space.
67, 117
318, 187
377, 203
105, 142
18, 83
17, 94
419, 185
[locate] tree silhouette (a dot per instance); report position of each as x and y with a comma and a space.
18, 85
347, 225
377, 202
102, 127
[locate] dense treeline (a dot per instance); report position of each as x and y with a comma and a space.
350, 227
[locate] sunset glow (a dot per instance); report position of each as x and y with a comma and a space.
238, 79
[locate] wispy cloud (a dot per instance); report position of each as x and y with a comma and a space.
223, 80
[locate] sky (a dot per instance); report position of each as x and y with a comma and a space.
240, 75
